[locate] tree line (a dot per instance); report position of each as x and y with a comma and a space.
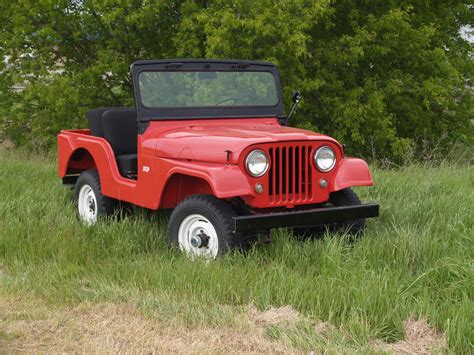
388, 78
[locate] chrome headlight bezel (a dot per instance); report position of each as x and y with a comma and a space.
252, 155
317, 156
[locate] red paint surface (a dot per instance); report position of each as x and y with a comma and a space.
190, 156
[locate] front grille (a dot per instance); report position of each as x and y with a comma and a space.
290, 178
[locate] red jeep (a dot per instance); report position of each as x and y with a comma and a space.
209, 138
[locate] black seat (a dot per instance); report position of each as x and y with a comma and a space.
119, 127
95, 121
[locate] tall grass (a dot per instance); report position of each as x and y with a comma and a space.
415, 260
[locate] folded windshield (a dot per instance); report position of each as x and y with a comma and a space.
173, 89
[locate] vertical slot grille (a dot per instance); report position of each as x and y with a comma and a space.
289, 178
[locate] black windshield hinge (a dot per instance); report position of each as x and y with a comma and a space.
282, 120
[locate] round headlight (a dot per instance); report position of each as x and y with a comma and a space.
256, 163
325, 159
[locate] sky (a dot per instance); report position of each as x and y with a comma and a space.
467, 33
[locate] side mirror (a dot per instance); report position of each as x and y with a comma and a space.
296, 96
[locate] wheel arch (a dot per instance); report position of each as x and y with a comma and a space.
80, 160
180, 186
221, 181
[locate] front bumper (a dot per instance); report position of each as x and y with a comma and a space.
313, 217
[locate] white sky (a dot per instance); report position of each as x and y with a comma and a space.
467, 33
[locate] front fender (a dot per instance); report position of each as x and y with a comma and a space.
225, 180
352, 172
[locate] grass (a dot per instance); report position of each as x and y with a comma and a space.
415, 261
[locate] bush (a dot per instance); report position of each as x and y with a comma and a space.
385, 78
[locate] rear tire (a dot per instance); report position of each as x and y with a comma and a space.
345, 197
90, 203
203, 226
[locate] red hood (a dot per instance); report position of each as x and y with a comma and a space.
208, 141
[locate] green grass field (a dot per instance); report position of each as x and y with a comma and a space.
416, 261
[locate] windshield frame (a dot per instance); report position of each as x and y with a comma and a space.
146, 114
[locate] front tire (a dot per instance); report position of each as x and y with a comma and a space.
90, 203
203, 226
347, 197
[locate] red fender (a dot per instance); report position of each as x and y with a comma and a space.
103, 156
352, 172
225, 180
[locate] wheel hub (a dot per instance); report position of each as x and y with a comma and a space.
91, 205
200, 240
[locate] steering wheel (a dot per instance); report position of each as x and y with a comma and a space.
235, 99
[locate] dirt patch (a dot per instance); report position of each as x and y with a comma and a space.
420, 338
284, 315
322, 328
33, 327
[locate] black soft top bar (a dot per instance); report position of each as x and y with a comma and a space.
145, 114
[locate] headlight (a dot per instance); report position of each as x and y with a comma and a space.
325, 159
256, 163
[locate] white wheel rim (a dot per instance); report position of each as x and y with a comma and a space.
194, 228
87, 205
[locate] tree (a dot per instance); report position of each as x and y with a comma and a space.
384, 77
71, 56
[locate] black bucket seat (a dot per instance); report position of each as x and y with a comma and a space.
119, 127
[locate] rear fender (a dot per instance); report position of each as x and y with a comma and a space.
101, 156
351, 172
